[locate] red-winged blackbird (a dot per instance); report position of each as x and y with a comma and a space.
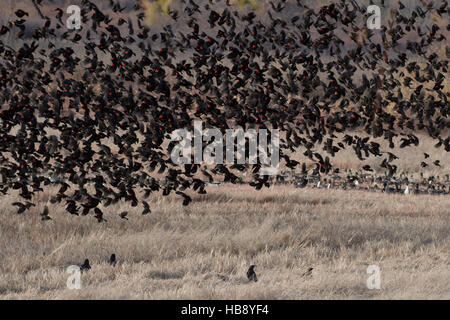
23, 207
21, 13
99, 215
186, 198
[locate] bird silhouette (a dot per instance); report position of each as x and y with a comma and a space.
85, 266
45, 215
251, 274
123, 215
146, 208
23, 206
112, 260
308, 272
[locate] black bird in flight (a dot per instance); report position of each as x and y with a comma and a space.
99, 215
23, 207
186, 198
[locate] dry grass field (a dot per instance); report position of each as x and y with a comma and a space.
203, 251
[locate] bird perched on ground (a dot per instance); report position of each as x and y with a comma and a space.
251, 274
44, 214
146, 208
112, 260
123, 215
85, 266
307, 272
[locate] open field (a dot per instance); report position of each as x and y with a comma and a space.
203, 251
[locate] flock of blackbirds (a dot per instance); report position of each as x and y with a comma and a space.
91, 110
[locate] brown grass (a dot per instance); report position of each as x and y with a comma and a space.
203, 251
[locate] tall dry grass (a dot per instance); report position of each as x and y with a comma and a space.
203, 251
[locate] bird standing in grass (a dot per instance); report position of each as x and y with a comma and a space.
85, 266
44, 214
112, 260
146, 208
308, 272
251, 274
